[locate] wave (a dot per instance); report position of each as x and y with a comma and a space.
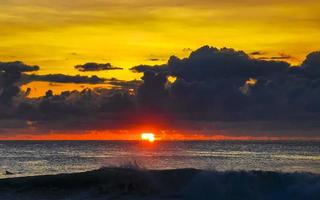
135, 183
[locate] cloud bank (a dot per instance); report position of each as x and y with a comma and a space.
212, 85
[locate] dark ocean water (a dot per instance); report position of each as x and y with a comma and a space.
25, 158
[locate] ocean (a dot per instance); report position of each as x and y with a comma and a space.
29, 158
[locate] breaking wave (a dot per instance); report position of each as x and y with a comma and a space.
138, 183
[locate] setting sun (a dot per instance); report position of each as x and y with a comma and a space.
148, 136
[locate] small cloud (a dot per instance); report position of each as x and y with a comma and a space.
154, 59
282, 56
96, 67
256, 53
186, 49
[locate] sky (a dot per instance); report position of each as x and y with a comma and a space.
58, 35
117, 40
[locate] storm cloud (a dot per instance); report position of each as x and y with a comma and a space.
212, 85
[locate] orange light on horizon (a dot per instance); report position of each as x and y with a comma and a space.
148, 136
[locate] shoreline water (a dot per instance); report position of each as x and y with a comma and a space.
128, 183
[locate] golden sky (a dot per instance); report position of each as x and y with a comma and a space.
59, 34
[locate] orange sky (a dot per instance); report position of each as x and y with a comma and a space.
136, 135
163, 131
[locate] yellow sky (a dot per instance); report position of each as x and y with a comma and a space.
59, 34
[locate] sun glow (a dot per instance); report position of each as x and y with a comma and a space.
148, 136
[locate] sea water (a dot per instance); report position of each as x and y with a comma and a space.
28, 158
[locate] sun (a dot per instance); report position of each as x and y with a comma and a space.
148, 136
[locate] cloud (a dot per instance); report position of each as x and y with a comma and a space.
154, 59
210, 63
117, 84
281, 56
96, 67
10, 74
312, 60
212, 85
311, 65
17, 66
186, 49
210, 81
145, 68
256, 53
62, 78
152, 93
133, 84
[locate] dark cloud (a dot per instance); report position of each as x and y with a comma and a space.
78, 79
311, 65
17, 66
312, 60
10, 74
281, 56
145, 68
186, 49
152, 93
133, 84
211, 85
210, 63
62, 78
72, 106
256, 53
154, 59
96, 67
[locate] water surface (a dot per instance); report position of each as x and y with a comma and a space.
25, 158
